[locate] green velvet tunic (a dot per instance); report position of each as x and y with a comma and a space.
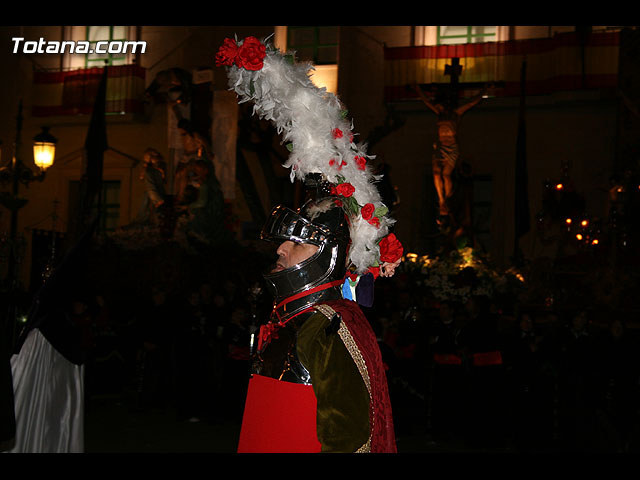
342, 396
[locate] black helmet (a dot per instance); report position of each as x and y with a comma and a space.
319, 222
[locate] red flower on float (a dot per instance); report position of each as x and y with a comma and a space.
337, 133
390, 249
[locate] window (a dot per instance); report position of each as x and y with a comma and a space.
315, 44
105, 33
452, 35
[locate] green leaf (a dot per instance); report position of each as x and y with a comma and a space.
351, 205
290, 147
344, 113
380, 211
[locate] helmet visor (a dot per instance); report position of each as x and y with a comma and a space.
285, 224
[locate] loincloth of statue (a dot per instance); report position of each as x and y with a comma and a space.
445, 155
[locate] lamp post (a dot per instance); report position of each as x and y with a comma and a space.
15, 173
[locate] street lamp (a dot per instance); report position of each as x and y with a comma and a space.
44, 149
14, 173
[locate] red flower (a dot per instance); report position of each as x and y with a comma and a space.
390, 249
337, 201
375, 271
367, 211
345, 189
251, 54
375, 221
337, 133
333, 162
361, 162
227, 53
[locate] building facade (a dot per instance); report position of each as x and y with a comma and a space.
572, 116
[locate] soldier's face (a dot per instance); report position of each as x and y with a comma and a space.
291, 253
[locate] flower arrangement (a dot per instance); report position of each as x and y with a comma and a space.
460, 274
319, 136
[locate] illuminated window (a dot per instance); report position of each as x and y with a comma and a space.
466, 34
109, 34
316, 44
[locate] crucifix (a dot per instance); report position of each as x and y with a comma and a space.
445, 148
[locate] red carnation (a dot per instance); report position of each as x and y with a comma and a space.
345, 189
375, 271
251, 54
361, 162
390, 249
227, 53
367, 211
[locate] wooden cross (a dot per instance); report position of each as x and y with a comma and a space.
454, 71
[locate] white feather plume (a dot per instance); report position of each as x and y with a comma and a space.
307, 117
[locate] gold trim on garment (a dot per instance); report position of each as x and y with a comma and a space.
354, 351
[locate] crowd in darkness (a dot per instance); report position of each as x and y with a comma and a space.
528, 379
184, 352
461, 373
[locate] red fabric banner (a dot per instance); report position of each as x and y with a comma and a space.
559, 63
73, 92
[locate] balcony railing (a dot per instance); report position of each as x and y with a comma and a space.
73, 92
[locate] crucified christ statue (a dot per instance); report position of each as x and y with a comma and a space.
445, 148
